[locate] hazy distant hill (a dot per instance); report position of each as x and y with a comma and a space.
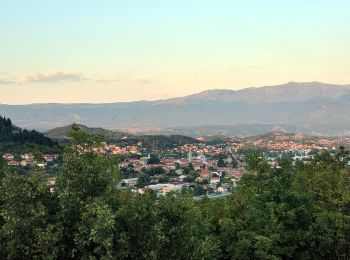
162, 141
290, 92
313, 107
61, 133
251, 129
226, 130
278, 137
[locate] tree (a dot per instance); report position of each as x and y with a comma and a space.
96, 231
267, 217
186, 230
143, 180
28, 231
157, 170
3, 168
198, 190
10, 133
221, 163
153, 159
190, 166
234, 163
85, 176
138, 229
38, 156
164, 179
2, 203
326, 180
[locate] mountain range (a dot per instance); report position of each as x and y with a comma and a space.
309, 107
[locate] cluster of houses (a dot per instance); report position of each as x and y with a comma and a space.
210, 175
210, 150
113, 149
280, 141
27, 159
162, 189
207, 173
292, 146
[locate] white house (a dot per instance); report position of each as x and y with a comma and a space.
8, 156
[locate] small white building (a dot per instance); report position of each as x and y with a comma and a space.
26, 162
130, 181
8, 156
28, 156
214, 180
12, 163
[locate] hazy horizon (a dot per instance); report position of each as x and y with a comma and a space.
174, 97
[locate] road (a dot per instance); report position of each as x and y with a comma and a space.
213, 196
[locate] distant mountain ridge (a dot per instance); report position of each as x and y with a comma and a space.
290, 92
310, 106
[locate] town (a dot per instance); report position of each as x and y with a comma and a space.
201, 168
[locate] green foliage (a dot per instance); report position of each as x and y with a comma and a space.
221, 163
2, 168
95, 234
153, 159
85, 176
267, 217
11, 133
38, 156
138, 230
198, 190
27, 231
257, 163
143, 180
328, 183
186, 230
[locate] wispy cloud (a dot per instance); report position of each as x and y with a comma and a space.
50, 77
59, 76
7, 82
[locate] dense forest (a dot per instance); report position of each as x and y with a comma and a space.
292, 212
11, 133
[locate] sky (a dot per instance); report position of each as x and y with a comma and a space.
100, 51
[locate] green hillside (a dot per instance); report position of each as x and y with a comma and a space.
62, 134
13, 138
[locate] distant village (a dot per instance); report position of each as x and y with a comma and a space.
205, 169
202, 168
28, 159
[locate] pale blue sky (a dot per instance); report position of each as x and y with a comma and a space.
105, 51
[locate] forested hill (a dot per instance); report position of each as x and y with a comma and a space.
62, 135
12, 133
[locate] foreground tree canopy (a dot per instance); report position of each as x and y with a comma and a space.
293, 212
